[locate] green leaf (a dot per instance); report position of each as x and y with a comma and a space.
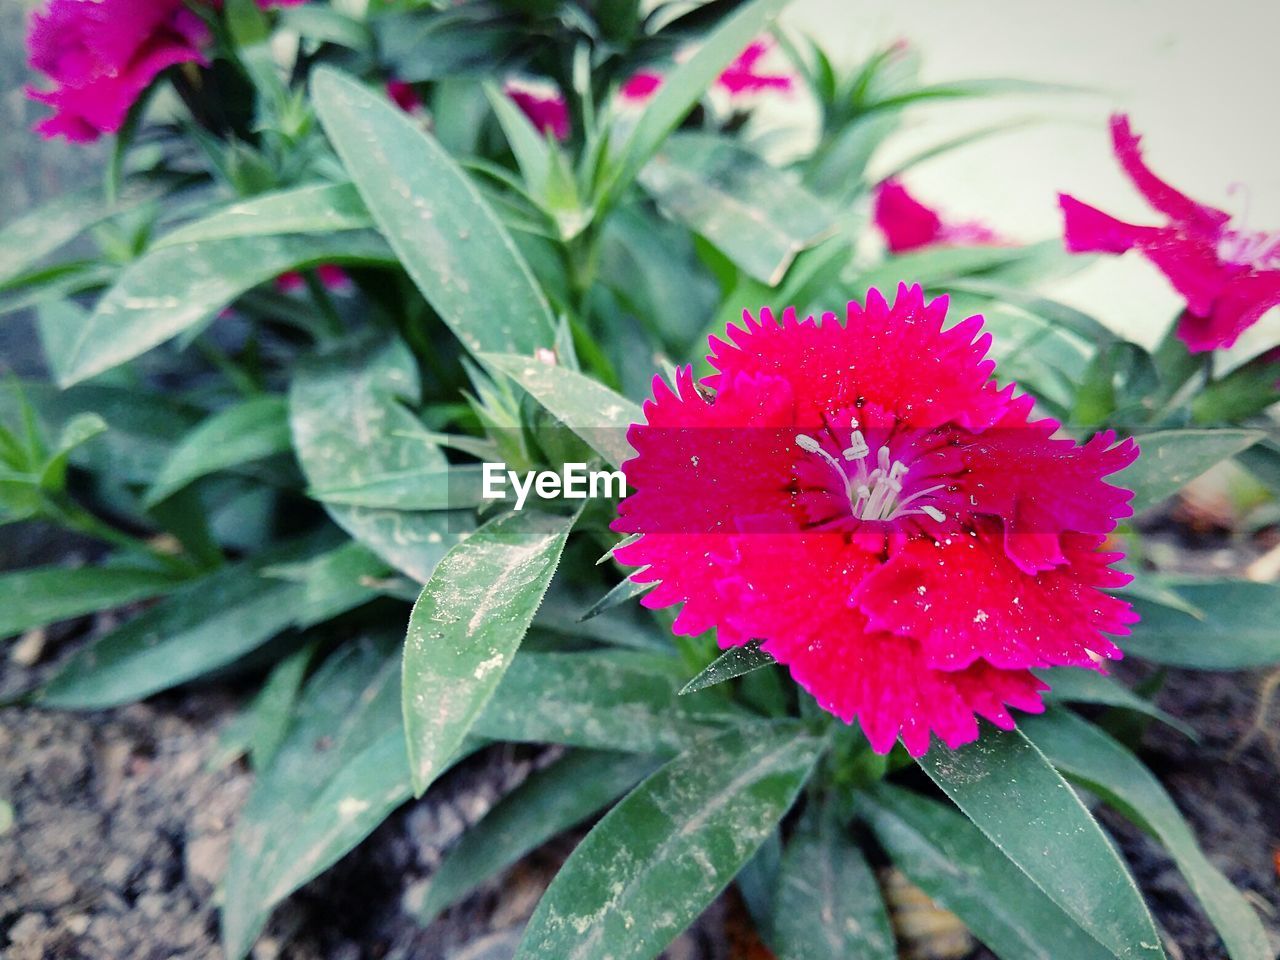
758, 217
619, 594
1238, 628
934, 266
1247, 390
592, 411
326, 25
449, 240
76, 432
205, 624
1170, 459
531, 149
173, 288
681, 90
348, 428
734, 662
596, 701
1060, 315
247, 431
1073, 685
828, 904
338, 772
33, 598
316, 208
30, 238
663, 853
272, 709
950, 860
462, 39
1101, 765
427, 488
1263, 461
333, 582
548, 803
144, 426
1014, 796
466, 627
976, 87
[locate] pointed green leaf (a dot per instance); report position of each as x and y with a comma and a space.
948, 858
618, 594
449, 240
663, 853
424, 488
1170, 459
143, 425
466, 627
1069, 684
1237, 629
206, 624
548, 803
1014, 796
1101, 765
348, 428
33, 598
829, 903
734, 662
338, 772
591, 410
316, 208
247, 431
30, 238
272, 709
596, 701
173, 288
333, 582
758, 217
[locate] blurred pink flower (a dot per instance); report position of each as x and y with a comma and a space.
907, 224
404, 95
548, 112
641, 86
102, 54
1229, 278
332, 276
742, 77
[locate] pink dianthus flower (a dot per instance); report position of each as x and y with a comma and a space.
1229, 278
102, 54
741, 78
404, 95
331, 276
865, 500
549, 113
907, 224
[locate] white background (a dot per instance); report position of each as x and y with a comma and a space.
1201, 81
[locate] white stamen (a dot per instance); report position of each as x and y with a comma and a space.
874, 494
858, 448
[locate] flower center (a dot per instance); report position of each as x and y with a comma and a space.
1256, 249
874, 493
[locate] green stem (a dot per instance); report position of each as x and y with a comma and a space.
332, 323
75, 517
